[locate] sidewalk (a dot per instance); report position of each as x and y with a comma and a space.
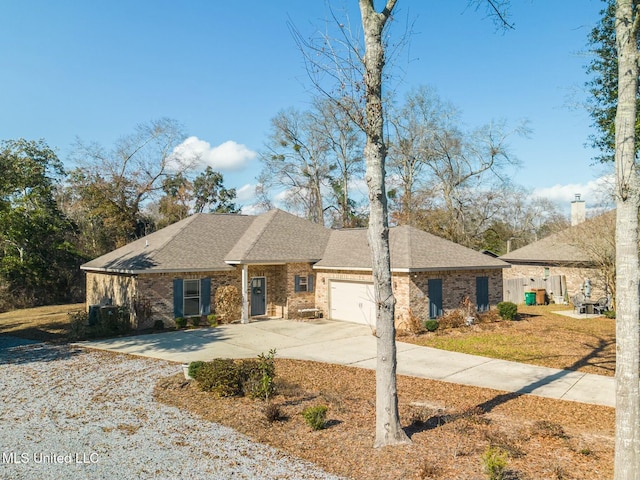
354, 345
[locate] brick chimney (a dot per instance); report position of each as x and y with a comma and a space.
578, 211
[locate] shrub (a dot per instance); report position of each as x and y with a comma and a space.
158, 325
108, 320
490, 316
143, 310
272, 412
195, 321
220, 376
258, 376
233, 378
452, 319
78, 324
507, 310
212, 319
412, 324
610, 314
494, 460
181, 322
431, 325
548, 429
316, 417
228, 304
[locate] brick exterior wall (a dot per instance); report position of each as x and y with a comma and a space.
456, 285
113, 289
157, 289
411, 289
297, 301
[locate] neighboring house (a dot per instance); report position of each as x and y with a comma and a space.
287, 267
585, 250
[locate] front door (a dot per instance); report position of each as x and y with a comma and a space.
258, 296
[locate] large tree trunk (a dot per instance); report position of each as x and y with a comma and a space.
388, 428
627, 445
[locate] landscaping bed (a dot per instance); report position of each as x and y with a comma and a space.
451, 426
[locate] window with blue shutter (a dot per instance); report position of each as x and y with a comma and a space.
303, 284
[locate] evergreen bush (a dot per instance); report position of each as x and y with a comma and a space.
431, 325
507, 310
316, 417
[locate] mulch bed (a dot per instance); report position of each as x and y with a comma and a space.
450, 426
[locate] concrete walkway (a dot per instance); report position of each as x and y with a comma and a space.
355, 345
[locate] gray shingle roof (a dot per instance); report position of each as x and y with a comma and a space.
280, 237
197, 243
411, 250
569, 246
210, 242
549, 250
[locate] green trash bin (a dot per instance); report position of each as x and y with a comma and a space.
530, 298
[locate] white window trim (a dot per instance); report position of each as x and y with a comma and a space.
185, 296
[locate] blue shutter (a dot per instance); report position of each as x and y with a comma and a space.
205, 296
482, 294
435, 297
310, 283
297, 284
177, 297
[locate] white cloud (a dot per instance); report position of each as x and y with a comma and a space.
595, 192
228, 156
246, 193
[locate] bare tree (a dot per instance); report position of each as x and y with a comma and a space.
296, 160
357, 80
111, 186
627, 444
388, 428
344, 155
414, 126
430, 150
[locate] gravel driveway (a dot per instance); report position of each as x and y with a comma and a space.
70, 413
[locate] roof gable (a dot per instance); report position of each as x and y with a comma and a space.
570, 246
411, 250
280, 237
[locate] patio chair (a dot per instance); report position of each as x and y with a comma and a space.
601, 306
578, 303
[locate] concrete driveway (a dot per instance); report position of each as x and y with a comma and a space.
355, 345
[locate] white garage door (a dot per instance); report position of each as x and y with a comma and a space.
352, 302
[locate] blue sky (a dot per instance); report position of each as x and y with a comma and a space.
95, 69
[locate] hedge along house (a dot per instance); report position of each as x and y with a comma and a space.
285, 266
430, 275
175, 272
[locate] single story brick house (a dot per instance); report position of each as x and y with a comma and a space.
585, 250
288, 267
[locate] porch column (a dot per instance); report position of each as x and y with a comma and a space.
245, 294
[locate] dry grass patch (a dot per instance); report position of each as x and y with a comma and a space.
451, 426
51, 323
539, 338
